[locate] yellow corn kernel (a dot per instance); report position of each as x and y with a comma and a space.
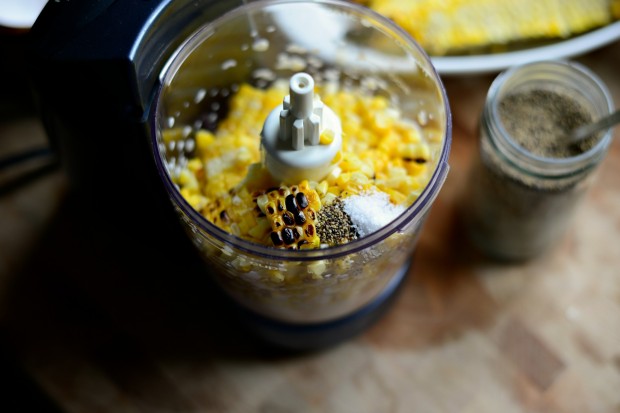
343, 179
314, 201
383, 122
334, 190
328, 198
367, 169
396, 172
173, 134
350, 162
378, 103
317, 268
327, 137
414, 168
396, 197
246, 223
203, 139
337, 158
196, 200
261, 230
321, 188
194, 165
241, 264
313, 244
411, 133
187, 179
304, 186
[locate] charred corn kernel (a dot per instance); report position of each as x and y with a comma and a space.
453, 26
291, 212
422, 153
415, 168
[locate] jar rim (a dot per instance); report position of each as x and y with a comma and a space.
516, 154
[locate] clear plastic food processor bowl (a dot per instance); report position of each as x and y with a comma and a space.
334, 42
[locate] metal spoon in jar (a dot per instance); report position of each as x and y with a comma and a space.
585, 131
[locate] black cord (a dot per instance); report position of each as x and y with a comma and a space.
24, 156
49, 164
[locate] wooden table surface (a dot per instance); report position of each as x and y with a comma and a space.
103, 326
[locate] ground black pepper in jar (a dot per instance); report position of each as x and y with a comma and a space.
527, 179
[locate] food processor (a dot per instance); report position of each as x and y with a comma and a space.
146, 77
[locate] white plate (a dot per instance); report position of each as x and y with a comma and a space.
20, 14
463, 65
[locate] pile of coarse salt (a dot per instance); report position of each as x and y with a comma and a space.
370, 211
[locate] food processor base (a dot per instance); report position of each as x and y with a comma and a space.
316, 336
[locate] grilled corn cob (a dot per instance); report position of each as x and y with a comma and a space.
292, 215
456, 26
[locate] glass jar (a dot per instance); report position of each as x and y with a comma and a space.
519, 202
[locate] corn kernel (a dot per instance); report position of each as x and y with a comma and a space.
261, 229
262, 202
203, 140
396, 197
173, 134
317, 268
321, 188
328, 198
343, 179
327, 137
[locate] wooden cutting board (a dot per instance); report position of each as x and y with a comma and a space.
106, 324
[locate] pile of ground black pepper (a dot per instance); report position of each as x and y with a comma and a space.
334, 226
540, 120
